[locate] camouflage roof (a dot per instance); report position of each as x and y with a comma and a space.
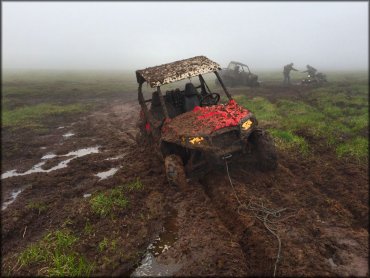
175, 71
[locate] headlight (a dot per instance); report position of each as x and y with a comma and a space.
247, 124
196, 140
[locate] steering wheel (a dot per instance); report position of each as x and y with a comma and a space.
210, 99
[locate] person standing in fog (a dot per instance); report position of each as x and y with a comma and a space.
287, 69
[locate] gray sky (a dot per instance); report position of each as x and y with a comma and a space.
135, 35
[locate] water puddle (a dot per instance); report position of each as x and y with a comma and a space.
87, 195
107, 174
83, 152
67, 135
149, 265
167, 236
60, 127
13, 196
38, 167
48, 156
115, 158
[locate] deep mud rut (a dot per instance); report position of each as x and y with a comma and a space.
198, 231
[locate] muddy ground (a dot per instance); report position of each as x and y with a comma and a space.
202, 230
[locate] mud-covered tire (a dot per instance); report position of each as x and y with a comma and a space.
263, 147
175, 171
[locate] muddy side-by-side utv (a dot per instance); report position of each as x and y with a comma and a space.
190, 129
238, 74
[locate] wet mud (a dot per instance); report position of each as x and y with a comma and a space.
199, 230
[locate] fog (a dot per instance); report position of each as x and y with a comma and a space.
135, 35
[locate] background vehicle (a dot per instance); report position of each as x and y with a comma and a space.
318, 79
188, 127
238, 74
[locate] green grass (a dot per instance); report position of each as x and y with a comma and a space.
286, 140
358, 123
357, 147
299, 115
135, 185
336, 115
103, 244
70, 265
33, 254
32, 98
114, 200
265, 111
54, 256
88, 229
106, 203
32, 116
106, 244
61, 239
38, 206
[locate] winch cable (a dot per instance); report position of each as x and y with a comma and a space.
262, 213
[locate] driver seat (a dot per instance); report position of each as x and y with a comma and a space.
191, 97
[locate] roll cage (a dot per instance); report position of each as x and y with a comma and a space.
232, 65
173, 72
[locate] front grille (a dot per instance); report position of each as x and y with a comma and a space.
226, 139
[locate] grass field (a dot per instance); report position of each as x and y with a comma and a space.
337, 113
30, 98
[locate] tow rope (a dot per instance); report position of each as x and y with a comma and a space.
262, 213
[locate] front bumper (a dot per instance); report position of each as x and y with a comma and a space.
233, 152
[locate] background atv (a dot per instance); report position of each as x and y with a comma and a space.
238, 74
317, 80
190, 130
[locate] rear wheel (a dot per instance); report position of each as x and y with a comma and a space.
264, 150
175, 171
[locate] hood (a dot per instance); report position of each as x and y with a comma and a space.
206, 120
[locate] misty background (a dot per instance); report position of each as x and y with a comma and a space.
135, 35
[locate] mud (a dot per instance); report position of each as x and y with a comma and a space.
195, 231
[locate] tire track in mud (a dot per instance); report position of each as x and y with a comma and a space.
256, 243
204, 245
307, 244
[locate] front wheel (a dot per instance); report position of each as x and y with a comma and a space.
263, 148
175, 171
